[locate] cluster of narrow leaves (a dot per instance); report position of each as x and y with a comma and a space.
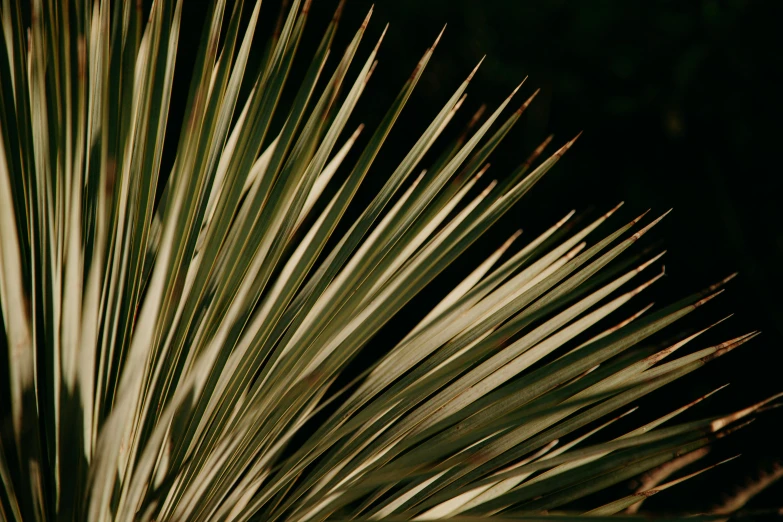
176, 358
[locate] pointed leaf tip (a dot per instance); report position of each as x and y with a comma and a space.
440, 34
567, 146
525, 106
477, 116
640, 217
366, 21
701, 302
473, 72
638, 290
648, 227
489, 188
730, 345
651, 261
482, 171
383, 35
338, 13
517, 88
616, 207
722, 282
513, 238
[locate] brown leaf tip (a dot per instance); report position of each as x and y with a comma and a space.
513, 238
648, 227
616, 207
540, 149
567, 146
489, 188
517, 88
338, 13
528, 102
651, 261
722, 282
367, 19
482, 171
438, 38
477, 116
701, 302
383, 34
473, 72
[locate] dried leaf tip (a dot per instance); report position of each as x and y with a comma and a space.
338, 13
473, 72
626, 413
366, 21
476, 117
574, 251
640, 217
700, 302
489, 188
716, 390
688, 339
565, 218
510, 240
728, 278
435, 44
517, 88
482, 171
536, 153
738, 455
638, 290
306, 7
648, 227
528, 102
732, 429
727, 346
568, 145
728, 419
713, 325
651, 261
383, 34
722, 282
616, 207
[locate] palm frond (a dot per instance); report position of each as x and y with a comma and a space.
183, 341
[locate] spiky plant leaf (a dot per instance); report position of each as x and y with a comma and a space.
191, 356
